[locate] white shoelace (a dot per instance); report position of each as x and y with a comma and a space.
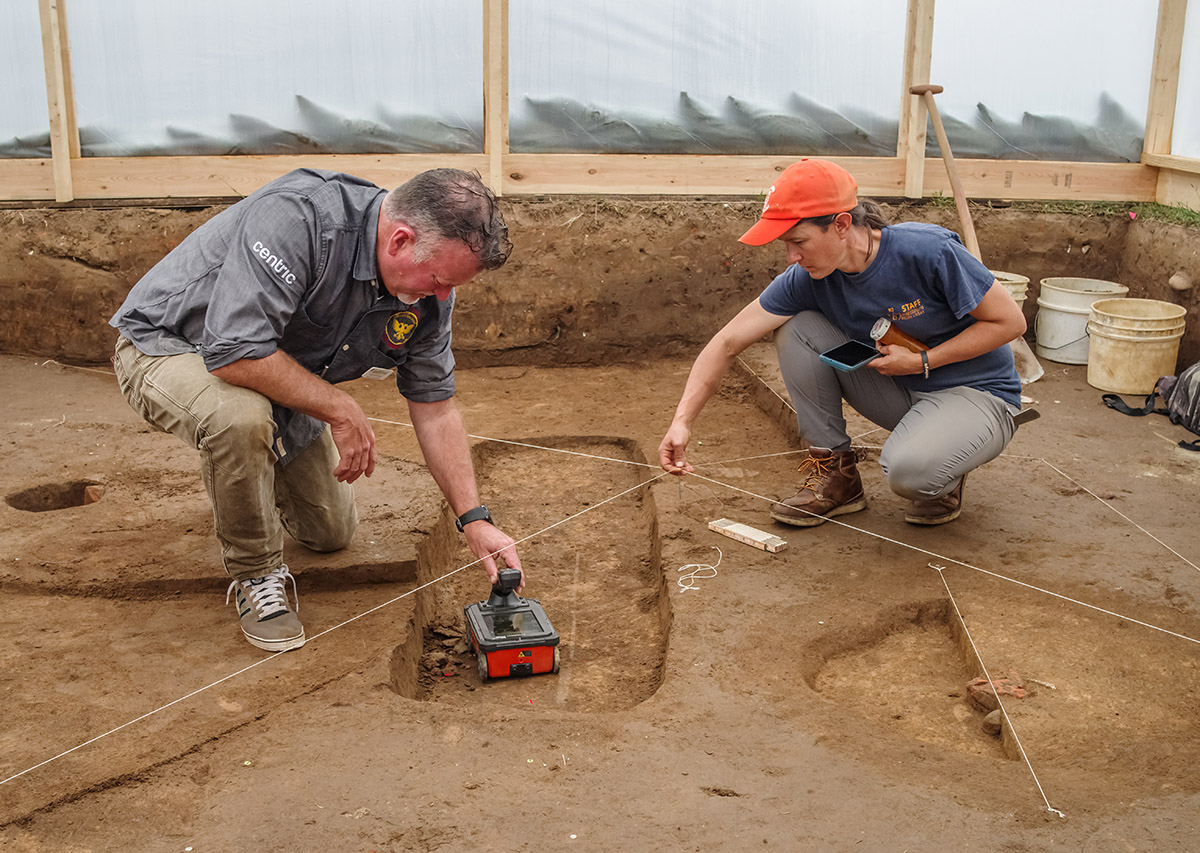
268, 594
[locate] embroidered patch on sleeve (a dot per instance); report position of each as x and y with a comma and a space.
399, 328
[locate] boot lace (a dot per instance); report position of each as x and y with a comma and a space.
268, 594
815, 472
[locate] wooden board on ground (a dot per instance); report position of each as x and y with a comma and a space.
750, 535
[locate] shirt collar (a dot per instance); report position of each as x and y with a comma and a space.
366, 264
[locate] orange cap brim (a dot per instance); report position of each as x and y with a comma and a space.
766, 230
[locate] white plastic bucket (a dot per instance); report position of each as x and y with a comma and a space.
1015, 284
1063, 309
1132, 343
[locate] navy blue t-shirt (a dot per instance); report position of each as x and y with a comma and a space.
925, 281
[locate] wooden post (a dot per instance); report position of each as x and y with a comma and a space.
495, 90
918, 58
68, 81
1164, 82
60, 97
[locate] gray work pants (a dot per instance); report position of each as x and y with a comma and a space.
937, 436
254, 498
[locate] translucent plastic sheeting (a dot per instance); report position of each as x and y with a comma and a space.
1024, 80
270, 77
1031, 80
23, 90
1185, 137
705, 76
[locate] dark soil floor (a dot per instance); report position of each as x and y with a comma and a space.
814, 698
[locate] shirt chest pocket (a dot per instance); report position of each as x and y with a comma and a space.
307, 341
376, 341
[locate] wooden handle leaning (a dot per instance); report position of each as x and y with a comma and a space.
960, 196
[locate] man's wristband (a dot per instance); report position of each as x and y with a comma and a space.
479, 513
925, 362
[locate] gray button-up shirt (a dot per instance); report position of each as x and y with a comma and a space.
292, 267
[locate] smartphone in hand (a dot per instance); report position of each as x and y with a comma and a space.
849, 356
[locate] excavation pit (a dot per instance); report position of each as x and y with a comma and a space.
1104, 693
585, 338
599, 578
909, 677
49, 497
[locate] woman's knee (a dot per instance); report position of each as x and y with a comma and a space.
913, 476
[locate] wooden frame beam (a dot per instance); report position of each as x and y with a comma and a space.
66, 175
1164, 77
60, 95
550, 174
1164, 91
918, 58
495, 90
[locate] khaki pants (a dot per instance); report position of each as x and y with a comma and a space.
254, 498
937, 436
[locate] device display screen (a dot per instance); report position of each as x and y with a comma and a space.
850, 355
512, 624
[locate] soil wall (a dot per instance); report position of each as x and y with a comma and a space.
592, 277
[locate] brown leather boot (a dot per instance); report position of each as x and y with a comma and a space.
831, 486
937, 510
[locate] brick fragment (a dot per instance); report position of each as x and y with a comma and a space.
982, 693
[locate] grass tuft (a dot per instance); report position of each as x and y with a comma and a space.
1103, 209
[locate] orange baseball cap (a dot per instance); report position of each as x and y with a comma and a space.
808, 188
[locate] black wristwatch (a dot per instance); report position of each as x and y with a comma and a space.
480, 513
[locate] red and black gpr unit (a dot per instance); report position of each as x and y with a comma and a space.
511, 635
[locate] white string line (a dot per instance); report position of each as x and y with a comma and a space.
108, 373
1013, 729
410, 426
965, 565
323, 633
1127, 518
651, 480
493, 554
533, 446
785, 402
1072, 480
1044, 461
853, 438
789, 452
1006, 455
749, 458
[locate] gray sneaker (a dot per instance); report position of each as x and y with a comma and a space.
267, 620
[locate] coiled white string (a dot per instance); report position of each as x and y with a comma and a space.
699, 571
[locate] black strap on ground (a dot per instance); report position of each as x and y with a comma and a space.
1117, 404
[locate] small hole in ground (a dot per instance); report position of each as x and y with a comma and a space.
51, 496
